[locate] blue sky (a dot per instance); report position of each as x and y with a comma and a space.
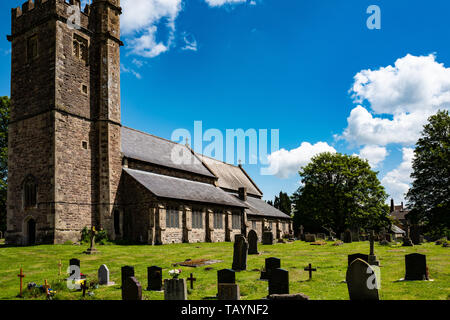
311, 69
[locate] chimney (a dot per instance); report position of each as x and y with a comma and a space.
392, 205
243, 194
402, 206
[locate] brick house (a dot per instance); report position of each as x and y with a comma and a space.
73, 165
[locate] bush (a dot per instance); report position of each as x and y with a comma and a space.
101, 236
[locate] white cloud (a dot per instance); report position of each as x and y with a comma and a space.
397, 181
374, 154
218, 3
284, 163
124, 69
190, 42
410, 91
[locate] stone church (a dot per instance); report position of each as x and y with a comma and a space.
73, 165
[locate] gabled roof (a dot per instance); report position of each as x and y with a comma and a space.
148, 148
181, 189
258, 207
230, 177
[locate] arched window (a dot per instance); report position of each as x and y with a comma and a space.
30, 192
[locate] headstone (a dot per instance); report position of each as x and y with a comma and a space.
228, 291
226, 276
416, 267
347, 236
302, 233
131, 289
279, 282
252, 242
321, 236
127, 271
271, 264
175, 289
75, 269
103, 276
353, 257
267, 238
240, 253
360, 281
415, 235
92, 249
372, 257
154, 278
407, 242
310, 237
388, 237
75, 262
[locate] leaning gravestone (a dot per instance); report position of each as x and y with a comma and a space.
103, 276
279, 282
228, 291
154, 278
240, 253
131, 289
416, 267
353, 257
252, 242
360, 281
175, 289
310, 237
267, 238
347, 236
271, 264
126, 271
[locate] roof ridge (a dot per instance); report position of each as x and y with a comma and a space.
229, 164
154, 136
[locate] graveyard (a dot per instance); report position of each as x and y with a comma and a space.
327, 264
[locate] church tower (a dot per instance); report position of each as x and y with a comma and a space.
64, 135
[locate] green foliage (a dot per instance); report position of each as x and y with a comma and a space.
339, 192
283, 203
429, 196
4, 119
101, 236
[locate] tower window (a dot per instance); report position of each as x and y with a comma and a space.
80, 48
84, 144
30, 192
32, 50
84, 89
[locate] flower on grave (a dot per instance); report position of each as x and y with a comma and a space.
175, 273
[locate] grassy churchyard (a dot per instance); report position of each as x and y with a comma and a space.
41, 262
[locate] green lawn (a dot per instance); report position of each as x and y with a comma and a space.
41, 262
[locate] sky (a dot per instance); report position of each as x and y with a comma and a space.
313, 70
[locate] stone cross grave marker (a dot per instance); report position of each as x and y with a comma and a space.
154, 277
175, 289
131, 289
416, 267
310, 269
279, 282
360, 281
103, 276
126, 271
252, 242
191, 279
228, 291
240, 253
92, 249
270, 265
372, 257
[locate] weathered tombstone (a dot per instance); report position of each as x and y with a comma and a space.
271, 264
131, 289
353, 257
252, 242
228, 291
416, 267
226, 276
321, 236
240, 253
372, 257
75, 262
279, 282
360, 281
310, 237
103, 276
415, 235
347, 236
407, 242
175, 289
154, 278
127, 271
302, 234
267, 237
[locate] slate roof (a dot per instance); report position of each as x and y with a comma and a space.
182, 189
230, 177
396, 229
146, 147
258, 207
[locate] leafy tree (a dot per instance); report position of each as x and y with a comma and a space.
429, 196
339, 192
283, 203
4, 119
270, 202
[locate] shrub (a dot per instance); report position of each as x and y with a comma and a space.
101, 236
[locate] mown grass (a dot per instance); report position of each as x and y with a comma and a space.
41, 262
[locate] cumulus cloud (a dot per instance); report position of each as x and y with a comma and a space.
397, 181
409, 92
190, 42
374, 154
284, 163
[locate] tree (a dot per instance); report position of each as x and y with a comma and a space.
429, 196
339, 192
4, 119
283, 203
